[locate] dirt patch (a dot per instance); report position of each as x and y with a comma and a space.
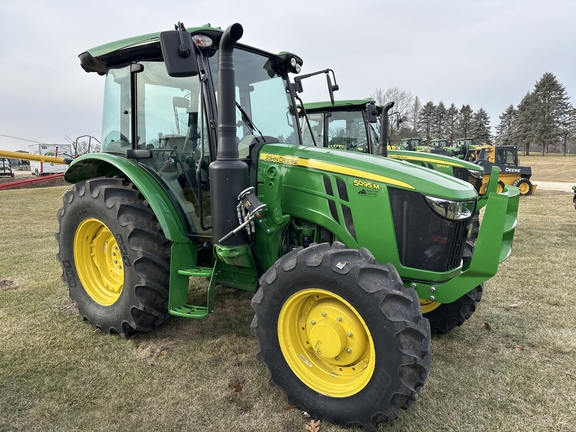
43, 181
8, 285
69, 308
152, 350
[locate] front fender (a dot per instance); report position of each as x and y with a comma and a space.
109, 165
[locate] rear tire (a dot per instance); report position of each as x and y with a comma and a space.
524, 185
114, 256
445, 317
340, 335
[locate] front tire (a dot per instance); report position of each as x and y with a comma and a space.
445, 317
340, 335
114, 256
524, 185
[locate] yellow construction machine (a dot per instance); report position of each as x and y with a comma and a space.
505, 157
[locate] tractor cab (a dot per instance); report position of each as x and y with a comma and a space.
174, 136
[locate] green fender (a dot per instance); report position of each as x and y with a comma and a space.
184, 252
109, 165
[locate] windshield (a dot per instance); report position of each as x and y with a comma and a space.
313, 129
346, 130
262, 94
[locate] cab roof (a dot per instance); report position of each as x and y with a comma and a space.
147, 47
340, 104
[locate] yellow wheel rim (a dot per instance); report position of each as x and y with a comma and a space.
326, 342
428, 306
98, 262
524, 188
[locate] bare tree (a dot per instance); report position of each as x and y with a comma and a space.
403, 100
86, 144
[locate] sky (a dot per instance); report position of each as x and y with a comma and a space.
485, 53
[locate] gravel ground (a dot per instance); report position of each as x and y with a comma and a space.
557, 186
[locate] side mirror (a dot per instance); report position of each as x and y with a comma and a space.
179, 52
372, 112
331, 88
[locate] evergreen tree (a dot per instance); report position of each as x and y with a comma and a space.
481, 126
465, 122
439, 119
451, 124
523, 131
506, 129
552, 104
426, 121
567, 128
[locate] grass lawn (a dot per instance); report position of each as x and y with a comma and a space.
511, 367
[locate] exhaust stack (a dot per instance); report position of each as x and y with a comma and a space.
228, 174
384, 125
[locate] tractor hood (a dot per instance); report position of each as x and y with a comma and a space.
370, 170
433, 158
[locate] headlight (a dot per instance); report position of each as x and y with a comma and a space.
294, 66
453, 210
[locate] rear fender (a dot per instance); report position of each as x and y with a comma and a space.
108, 165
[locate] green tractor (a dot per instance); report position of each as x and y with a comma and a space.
353, 125
202, 174
460, 147
415, 144
350, 125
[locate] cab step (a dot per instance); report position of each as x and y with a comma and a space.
181, 309
190, 311
196, 271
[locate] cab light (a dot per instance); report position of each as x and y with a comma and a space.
202, 41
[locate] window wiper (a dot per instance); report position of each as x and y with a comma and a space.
248, 121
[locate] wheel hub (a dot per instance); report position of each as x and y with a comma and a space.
326, 342
98, 261
328, 338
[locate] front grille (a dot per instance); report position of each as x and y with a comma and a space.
425, 240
